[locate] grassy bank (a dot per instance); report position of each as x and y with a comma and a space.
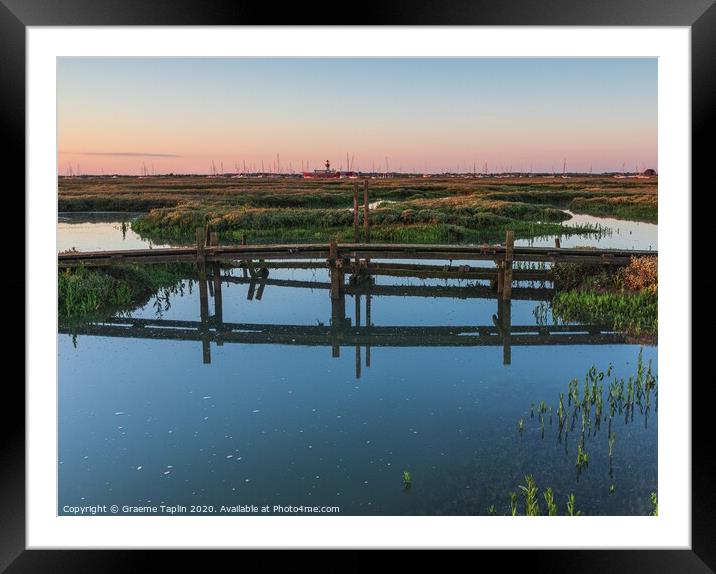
294, 209
625, 299
452, 219
91, 293
637, 207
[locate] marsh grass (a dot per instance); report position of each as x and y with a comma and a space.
632, 207
529, 491
603, 397
85, 293
626, 299
451, 210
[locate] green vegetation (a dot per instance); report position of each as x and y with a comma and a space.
89, 293
531, 501
623, 397
654, 505
424, 210
635, 207
551, 505
625, 299
407, 479
82, 291
635, 313
571, 510
418, 221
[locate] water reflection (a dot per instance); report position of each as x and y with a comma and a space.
337, 330
239, 386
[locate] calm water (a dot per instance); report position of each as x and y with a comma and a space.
146, 421
281, 421
97, 231
617, 234
93, 231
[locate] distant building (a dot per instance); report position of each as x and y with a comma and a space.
328, 173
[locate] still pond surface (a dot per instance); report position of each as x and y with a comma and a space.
147, 421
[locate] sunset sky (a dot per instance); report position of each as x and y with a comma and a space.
425, 115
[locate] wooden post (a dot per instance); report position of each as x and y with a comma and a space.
333, 252
506, 331
338, 319
260, 290
357, 321
355, 213
244, 263
509, 255
200, 244
203, 305
218, 301
337, 280
557, 243
366, 213
367, 324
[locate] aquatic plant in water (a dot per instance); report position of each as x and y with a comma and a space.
622, 397
571, 510
529, 491
407, 479
551, 505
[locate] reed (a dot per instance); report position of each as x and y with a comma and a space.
654, 504
612, 440
549, 500
513, 503
407, 479
529, 491
571, 510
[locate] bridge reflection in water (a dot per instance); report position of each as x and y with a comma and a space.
341, 331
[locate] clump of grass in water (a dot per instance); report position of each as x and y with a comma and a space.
551, 505
589, 406
612, 440
582, 457
654, 505
407, 480
571, 510
626, 299
84, 293
530, 493
532, 508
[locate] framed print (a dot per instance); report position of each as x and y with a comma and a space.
392, 284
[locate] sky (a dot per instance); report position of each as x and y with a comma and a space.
178, 115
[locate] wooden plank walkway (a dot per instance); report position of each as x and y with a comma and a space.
369, 251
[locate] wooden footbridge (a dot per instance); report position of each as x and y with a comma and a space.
362, 262
359, 259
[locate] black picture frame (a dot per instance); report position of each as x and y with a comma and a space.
17, 15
